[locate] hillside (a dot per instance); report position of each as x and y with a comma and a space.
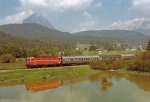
36, 31
144, 31
9, 40
130, 37
103, 37
22, 47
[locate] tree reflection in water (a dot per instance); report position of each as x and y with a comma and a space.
142, 81
105, 79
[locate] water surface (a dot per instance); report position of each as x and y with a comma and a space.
102, 87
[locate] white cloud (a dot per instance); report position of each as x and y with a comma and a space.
16, 18
129, 24
89, 23
55, 5
141, 6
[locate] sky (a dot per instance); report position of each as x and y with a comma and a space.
78, 15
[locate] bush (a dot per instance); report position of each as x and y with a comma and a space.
139, 65
117, 64
146, 55
106, 64
98, 65
7, 58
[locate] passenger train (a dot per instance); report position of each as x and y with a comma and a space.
33, 62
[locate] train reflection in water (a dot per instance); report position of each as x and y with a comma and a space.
43, 86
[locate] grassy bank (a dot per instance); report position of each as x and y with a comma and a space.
24, 76
12, 66
18, 64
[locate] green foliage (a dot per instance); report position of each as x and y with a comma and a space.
139, 65
92, 48
8, 58
106, 64
98, 65
21, 48
146, 55
72, 52
117, 64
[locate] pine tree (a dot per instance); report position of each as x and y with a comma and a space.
148, 46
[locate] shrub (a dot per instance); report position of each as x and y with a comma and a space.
146, 55
106, 64
98, 65
117, 64
139, 65
7, 58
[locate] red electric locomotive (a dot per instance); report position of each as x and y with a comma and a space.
42, 61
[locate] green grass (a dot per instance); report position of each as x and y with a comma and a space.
111, 52
23, 76
12, 66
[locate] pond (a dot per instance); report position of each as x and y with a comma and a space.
101, 87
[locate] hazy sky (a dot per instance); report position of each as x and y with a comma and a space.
78, 15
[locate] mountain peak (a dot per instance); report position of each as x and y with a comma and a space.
38, 19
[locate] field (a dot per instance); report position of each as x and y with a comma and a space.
111, 52
60, 73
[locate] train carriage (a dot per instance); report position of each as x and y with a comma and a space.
70, 60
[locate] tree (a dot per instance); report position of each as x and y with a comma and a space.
146, 55
92, 48
148, 46
8, 58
